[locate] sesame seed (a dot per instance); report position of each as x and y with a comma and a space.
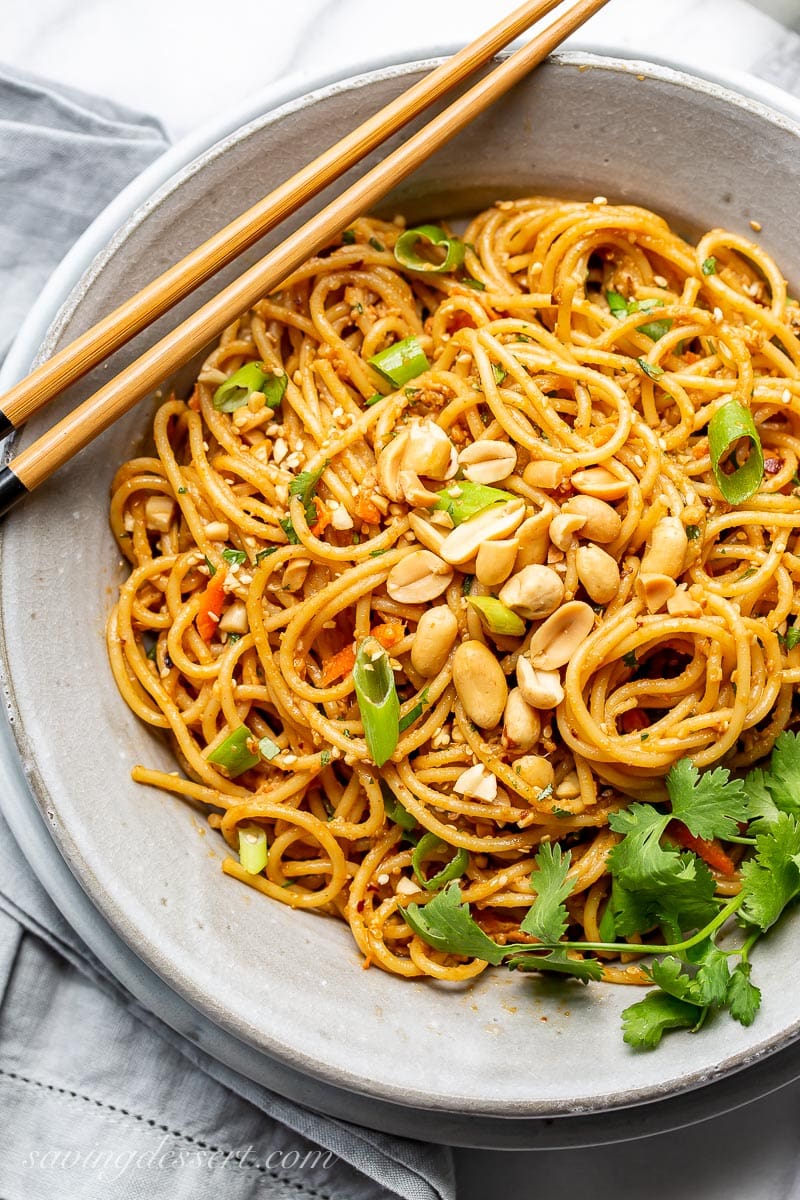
756, 226
600, 200
659, 281
718, 315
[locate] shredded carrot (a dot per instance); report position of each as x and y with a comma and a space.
368, 511
323, 518
389, 634
194, 400
633, 720
338, 666
710, 851
210, 609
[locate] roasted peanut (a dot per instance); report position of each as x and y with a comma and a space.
418, 578
492, 524
569, 787
554, 642
536, 771
421, 448
522, 726
495, 561
600, 483
477, 782
158, 513
433, 640
234, 619
603, 523
598, 572
563, 528
542, 689
480, 684
666, 550
543, 474
429, 451
655, 590
681, 604
429, 535
487, 461
534, 592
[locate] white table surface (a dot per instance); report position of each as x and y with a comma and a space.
186, 61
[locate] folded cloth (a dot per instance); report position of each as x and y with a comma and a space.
99, 1098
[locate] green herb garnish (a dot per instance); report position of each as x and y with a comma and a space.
731, 424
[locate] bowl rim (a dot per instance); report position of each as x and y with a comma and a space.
64, 292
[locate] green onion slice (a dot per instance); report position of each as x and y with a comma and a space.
428, 845
401, 362
728, 426
406, 252
652, 370
496, 616
463, 499
234, 754
268, 749
622, 308
394, 810
378, 704
710, 266
253, 848
252, 377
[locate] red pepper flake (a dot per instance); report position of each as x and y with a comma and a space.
772, 465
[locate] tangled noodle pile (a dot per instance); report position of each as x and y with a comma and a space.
499, 560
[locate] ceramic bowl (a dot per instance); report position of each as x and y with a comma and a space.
289, 985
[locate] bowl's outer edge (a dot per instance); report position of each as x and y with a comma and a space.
16, 365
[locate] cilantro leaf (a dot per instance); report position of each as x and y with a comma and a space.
558, 961
655, 330
763, 809
671, 977
645, 1023
304, 485
639, 859
781, 777
744, 998
771, 879
547, 919
712, 981
710, 805
445, 923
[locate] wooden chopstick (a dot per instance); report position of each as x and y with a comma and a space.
43, 457
114, 330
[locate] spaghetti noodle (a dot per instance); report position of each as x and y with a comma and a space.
481, 470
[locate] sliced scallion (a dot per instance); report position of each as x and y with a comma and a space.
253, 850
496, 616
710, 266
394, 810
425, 848
378, 704
406, 250
401, 362
652, 370
463, 500
234, 753
268, 749
252, 377
730, 424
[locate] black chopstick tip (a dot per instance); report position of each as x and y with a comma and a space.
6, 426
12, 490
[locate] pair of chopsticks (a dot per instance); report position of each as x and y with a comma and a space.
37, 462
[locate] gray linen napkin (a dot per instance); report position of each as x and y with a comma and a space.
99, 1098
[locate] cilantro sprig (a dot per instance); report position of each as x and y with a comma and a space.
656, 887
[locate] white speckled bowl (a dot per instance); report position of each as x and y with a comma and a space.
287, 984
